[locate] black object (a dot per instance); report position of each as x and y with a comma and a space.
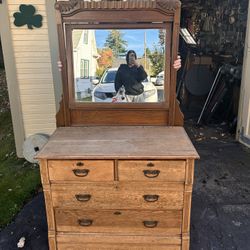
211, 92
199, 79
221, 92
186, 43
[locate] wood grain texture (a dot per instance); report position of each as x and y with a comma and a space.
44, 172
126, 142
72, 6
120, 117
117, 201
49, 210
118, 14
119, 196
187, 209
171, 170
70, 246
185, 241
52, 240
94, 238
81, 170
189, 172
120, 221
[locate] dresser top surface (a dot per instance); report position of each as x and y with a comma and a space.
119, 142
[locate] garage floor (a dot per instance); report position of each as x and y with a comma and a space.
220, 216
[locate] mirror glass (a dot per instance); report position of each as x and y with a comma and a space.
104, 71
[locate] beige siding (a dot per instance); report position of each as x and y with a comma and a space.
34, 71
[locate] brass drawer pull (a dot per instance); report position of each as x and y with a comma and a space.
150, 164
151, 173
79, 164
151, 197
81, 172
150, 224
85, 222
83, 197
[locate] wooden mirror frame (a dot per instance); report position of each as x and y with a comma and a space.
120, 14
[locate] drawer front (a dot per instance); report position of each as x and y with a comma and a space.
119, 221
123, 196
81, 170
169, 170
70, 246
116, 242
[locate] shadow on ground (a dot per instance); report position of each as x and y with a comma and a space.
220, 217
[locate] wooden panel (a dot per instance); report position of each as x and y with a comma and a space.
49, 208
44, 172
151, 170
121, 15
119, 196
119, 117
81, 170
117, 239
185, 241
187, 208
70, 246
52, 240
190, 172
119, 221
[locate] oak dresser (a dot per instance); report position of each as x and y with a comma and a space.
126, 187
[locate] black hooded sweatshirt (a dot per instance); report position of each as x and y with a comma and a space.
130, 78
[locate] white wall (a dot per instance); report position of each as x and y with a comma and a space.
243, 130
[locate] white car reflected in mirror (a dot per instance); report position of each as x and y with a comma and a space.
105, 90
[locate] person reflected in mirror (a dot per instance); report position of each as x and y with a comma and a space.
130, 77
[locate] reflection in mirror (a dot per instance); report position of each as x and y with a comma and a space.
115, 66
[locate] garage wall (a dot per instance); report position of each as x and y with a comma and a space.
244, 107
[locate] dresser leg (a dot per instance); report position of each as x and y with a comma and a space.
52, 240
185, 241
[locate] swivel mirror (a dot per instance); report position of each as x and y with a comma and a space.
95, 38
97, 55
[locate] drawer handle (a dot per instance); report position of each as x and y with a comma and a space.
151, 173
79, 164
85, 222
150, 224
150, 164
81, 172
151, 197
83, 197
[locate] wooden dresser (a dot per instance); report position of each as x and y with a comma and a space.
121, 188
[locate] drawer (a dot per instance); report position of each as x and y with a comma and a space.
84, 246
116, 242
119, 221
167, 170
81, 170
124, 195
